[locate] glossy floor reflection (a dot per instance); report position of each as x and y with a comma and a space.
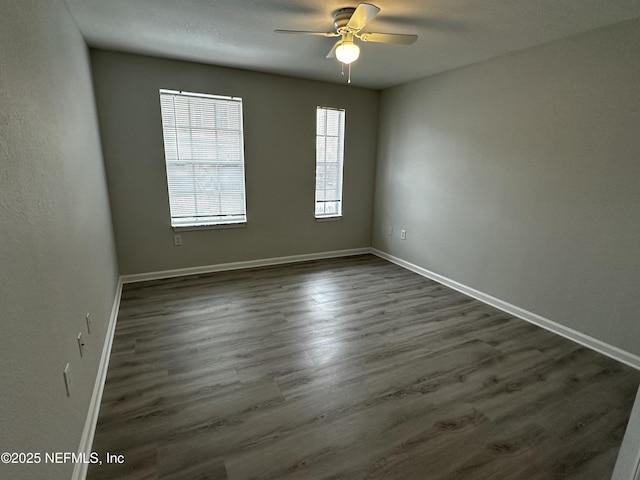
350, 368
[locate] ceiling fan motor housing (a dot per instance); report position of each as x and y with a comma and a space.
341, 18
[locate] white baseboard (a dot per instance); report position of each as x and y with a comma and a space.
566, 332
86, 442
221, 267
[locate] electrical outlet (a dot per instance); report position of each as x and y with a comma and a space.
403, 234
81, 344
177, 240
67, 379
88, 319
390, 231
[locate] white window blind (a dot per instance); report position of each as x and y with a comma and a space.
204, 155
329, 161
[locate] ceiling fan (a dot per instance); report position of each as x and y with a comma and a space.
348, 23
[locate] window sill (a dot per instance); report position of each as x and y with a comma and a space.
328, 219
220, 226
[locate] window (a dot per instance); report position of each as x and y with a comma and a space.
204, 155
329, 161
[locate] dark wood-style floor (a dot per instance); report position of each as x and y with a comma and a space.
351, 368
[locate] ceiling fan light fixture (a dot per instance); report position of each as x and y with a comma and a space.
349, 23
347, 52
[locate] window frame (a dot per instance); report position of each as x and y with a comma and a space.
340, 145
218, 219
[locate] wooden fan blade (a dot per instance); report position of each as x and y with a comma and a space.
332, 52
303, 32
365, 12
395, 38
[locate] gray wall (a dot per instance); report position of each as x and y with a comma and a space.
520, 177
279, 126
57, 256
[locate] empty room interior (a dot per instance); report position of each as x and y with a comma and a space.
294, 239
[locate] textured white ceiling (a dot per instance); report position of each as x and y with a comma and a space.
239, 33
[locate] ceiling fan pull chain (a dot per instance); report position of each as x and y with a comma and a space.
349, 81
342, 66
